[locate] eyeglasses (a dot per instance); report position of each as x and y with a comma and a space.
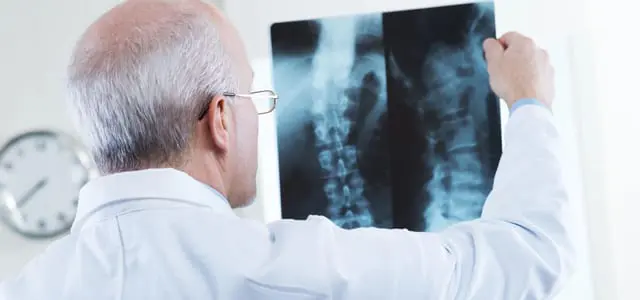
264, 100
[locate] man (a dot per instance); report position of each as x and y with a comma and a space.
161, 93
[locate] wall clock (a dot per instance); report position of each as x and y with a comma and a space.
41, 173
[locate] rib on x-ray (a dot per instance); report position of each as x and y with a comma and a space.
387, 120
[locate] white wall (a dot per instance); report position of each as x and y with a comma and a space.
544, 20
37, 37
607, 63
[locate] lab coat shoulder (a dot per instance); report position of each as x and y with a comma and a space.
62, 272
42, 276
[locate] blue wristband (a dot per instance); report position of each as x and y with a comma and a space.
523, 102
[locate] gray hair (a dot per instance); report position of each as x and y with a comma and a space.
135, 98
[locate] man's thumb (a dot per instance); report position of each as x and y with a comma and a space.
493, 49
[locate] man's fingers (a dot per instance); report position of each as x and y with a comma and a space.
512, 37
493, 50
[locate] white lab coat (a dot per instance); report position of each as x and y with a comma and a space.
159, 234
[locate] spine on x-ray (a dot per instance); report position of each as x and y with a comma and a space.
344, 186
456, 189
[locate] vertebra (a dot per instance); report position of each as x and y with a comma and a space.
344, 186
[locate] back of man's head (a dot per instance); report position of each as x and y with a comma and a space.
138, 78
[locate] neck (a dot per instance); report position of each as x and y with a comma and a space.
208, 172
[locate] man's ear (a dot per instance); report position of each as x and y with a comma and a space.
219, 123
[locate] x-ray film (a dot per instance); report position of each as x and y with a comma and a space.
387, 120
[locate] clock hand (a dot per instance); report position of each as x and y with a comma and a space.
32, 191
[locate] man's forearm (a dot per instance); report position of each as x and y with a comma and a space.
529, 190
520, 248
530, 173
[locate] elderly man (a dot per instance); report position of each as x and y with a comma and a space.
161, 92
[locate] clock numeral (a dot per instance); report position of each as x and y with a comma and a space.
75, 202
42, 224
62, 217
7, 166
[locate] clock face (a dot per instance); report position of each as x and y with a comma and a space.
41, 174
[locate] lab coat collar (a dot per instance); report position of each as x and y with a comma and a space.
164, 184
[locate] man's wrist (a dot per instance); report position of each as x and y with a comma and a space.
525, 101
